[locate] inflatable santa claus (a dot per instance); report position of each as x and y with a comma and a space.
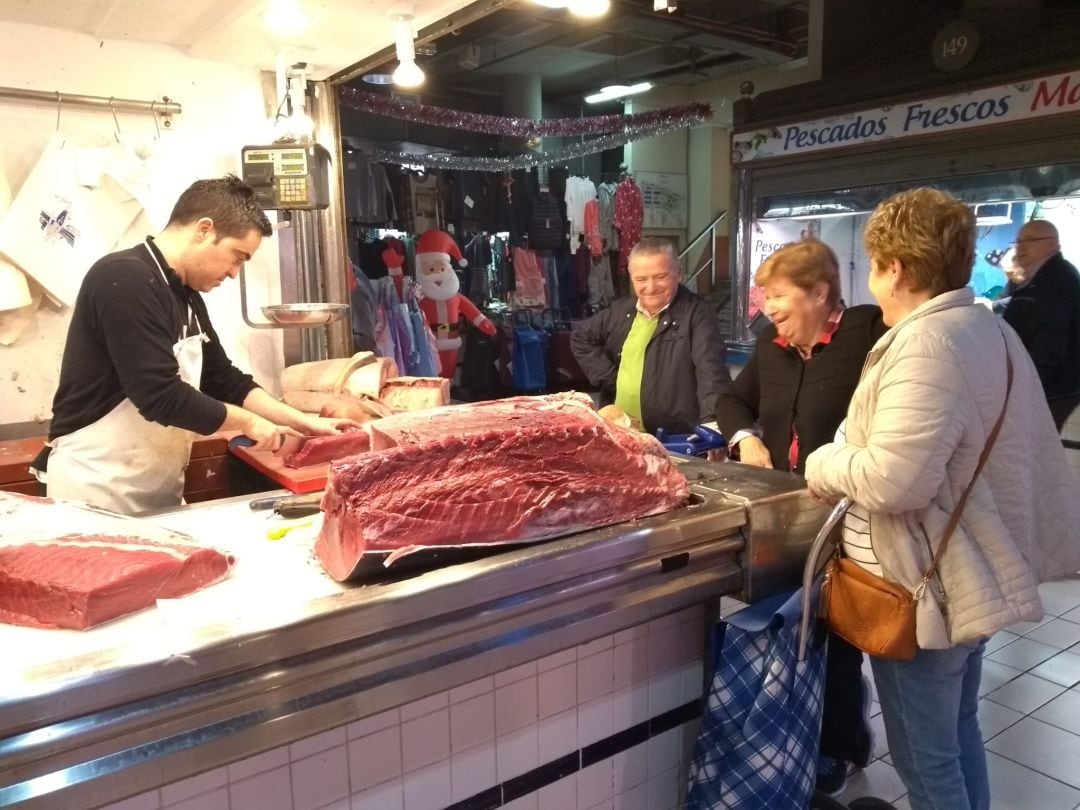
443, 305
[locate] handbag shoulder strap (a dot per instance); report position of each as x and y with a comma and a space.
954, 519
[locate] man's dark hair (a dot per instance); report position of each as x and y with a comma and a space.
228, 201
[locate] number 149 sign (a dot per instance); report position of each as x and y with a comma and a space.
955, 45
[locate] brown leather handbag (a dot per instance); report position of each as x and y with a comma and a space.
876, 615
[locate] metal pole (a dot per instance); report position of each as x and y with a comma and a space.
165, 107
333, 251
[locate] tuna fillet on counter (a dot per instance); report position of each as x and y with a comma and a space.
508, 471
58, 579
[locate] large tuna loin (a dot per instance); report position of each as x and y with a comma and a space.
79, 581
531, 473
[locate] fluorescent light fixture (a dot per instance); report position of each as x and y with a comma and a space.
993, 214
614, 91
589, 8
378, 78
579, 8
286, 18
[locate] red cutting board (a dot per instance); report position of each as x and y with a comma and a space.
299, 480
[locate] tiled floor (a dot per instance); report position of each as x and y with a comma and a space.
1029, 711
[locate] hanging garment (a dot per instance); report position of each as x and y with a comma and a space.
368, 197
362, 310
529, 287
549, 267
123, 462
427, 355
629, 217
579, 192
601, 289
547, 226
758, 745
503, 270
478, 255
606, 199
592, 228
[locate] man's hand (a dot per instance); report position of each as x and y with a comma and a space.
752, 451
265, 434
312, 425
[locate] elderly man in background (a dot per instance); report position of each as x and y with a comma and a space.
659, 355
1043, 306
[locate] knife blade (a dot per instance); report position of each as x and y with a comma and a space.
291, 445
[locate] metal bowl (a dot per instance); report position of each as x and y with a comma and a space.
304, 314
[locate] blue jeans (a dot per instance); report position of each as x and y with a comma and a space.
930, 706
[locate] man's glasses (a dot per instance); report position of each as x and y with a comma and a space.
1031, 239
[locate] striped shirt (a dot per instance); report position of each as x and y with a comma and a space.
856, 534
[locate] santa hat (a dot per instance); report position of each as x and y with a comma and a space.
439, 244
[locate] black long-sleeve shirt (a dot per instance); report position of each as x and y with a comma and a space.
120, 345
779, 390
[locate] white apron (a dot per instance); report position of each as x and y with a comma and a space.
123, 462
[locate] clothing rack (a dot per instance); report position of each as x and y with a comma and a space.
166, 107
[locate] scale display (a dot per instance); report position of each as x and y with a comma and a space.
288, 176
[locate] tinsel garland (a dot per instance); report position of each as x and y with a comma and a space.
526, 160
417, 113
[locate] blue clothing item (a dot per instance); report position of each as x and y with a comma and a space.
930, 706
425, 362
759, 734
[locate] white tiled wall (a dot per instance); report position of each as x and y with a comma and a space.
449, 746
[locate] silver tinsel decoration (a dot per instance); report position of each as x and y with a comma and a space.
527, 160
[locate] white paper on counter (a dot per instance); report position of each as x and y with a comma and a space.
271, 584
56, 228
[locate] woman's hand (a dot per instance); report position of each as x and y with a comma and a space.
752, 451
821, 497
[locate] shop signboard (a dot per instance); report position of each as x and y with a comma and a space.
1009, 103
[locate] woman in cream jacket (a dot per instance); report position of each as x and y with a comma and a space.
930, 393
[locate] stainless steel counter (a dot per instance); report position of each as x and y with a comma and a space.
278, 651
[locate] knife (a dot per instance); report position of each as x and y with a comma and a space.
299, 505
291, 445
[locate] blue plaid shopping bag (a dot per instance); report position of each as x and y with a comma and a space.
759, 734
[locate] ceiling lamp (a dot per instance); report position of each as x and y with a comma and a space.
286, 18
407, 73
579, 8
614, 91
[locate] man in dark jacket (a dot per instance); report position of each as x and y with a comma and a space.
1044, 309
659, 355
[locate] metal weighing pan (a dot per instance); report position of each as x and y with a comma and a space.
304, 314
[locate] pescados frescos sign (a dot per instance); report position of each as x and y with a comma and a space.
993, 105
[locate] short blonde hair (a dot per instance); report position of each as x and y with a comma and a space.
930, 233
805, 264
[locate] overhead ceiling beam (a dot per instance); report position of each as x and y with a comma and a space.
743, 39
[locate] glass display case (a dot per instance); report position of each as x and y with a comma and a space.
1002, 201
